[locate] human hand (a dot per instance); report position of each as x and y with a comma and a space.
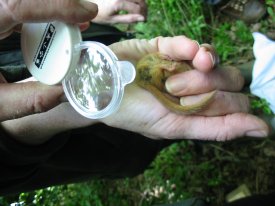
225, 118
22, 99
14, 12
108, 11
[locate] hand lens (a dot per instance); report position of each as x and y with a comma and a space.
93, 78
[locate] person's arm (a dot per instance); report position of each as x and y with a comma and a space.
39, 128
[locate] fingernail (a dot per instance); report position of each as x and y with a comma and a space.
187, 101
257, 133
169, 86
89, 5
172, 86
84, 26
212, 58
197, 43
210, 50
140, 18
270, 121
191, 100
206, 49
199, 98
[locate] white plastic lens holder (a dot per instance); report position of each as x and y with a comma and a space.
92, 77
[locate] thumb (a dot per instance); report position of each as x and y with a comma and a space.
127, 18
22, 99
71, 11
133, 49
74, 11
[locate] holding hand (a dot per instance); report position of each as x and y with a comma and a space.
108, 11
23, 99
141, 112
14, 12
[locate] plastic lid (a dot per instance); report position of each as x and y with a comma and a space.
48, 50
95, 88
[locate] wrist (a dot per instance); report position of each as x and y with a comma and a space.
39, 128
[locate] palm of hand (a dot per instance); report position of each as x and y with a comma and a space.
143, 113
140, 111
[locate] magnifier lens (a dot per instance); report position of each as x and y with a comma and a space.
92, 82
94, 88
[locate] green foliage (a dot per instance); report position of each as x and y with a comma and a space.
3, 201
270, 9
82, 194
194, 19
163, 180
232, 40
176, 175
173, 17
261, 106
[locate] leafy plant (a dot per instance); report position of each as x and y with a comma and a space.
233, 41
173, 17
260, 106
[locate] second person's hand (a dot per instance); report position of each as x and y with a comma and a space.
109, 11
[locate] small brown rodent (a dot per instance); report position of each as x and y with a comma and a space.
153, 70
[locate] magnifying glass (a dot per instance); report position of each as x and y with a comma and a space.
93, 78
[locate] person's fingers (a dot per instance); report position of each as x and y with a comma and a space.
196, 82
138, 1
223, 128
21, 99
134, 49
83, 26
71, 11
128, 6
5, 34
2, 78
220, 128
202, 57
177, 48
206, 58
143, 7
126, 18
223, 103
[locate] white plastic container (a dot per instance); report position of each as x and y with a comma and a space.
92, 77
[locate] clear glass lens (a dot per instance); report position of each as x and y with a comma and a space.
92, 82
